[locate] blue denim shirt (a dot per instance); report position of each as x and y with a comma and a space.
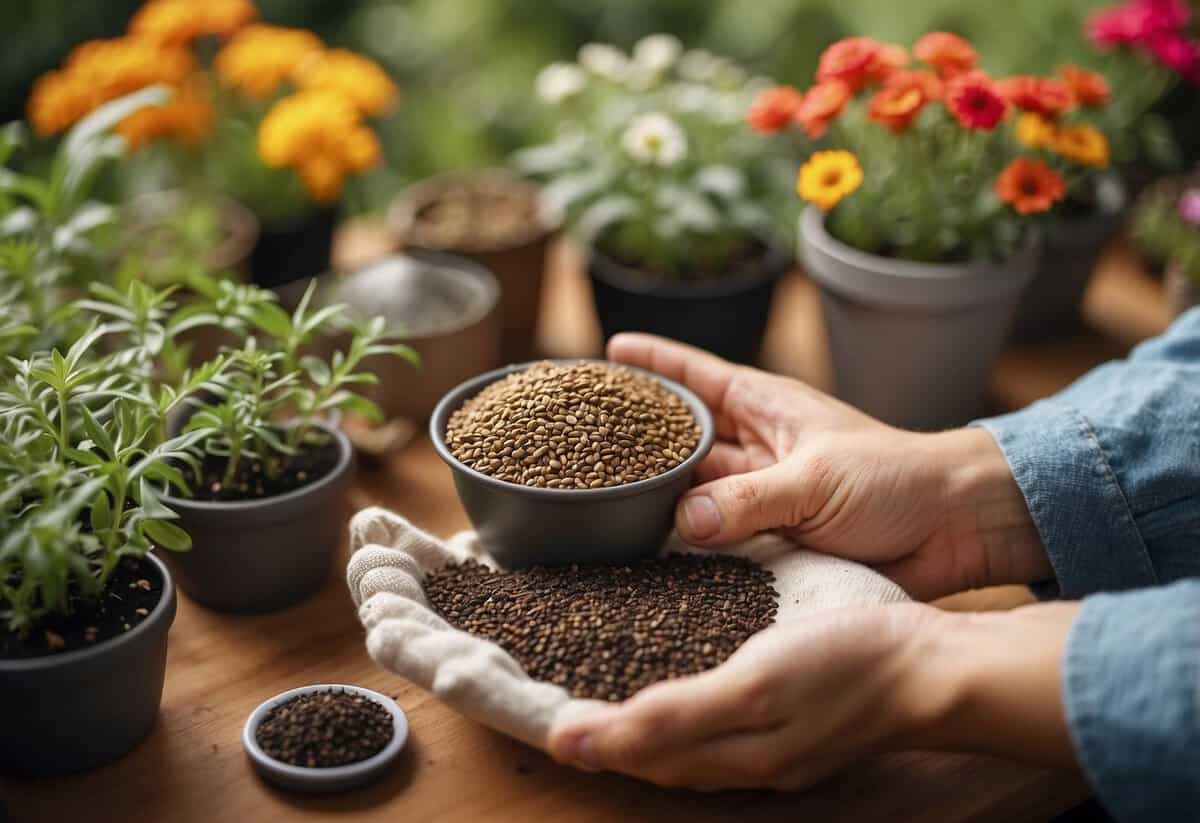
1110, 470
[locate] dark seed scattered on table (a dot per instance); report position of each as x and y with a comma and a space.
325, 729
606, 632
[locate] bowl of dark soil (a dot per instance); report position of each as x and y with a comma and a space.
560, 462
82, 689
324, 738
265, 539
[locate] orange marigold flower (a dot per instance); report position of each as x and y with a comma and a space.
821, 104
1030, 186
1083, 145
359, 78
928, 82
974, 102
1089, 88
108, 69
1035, 131
187, 117
946, 52
181, 21
362, 150
1041, 95
889, 58
260, 58
896, 107
56, 103
849, 60
774, 108
322, 178
828, 176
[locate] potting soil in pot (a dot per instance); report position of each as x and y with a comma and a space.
478, 216
325, 729
254, 479
578, 426
605, 632
133, 591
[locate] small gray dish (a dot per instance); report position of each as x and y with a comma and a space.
524, 526
334, 778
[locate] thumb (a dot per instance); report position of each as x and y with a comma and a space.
738, 506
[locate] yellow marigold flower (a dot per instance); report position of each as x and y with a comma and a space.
56, 103
1036, 131
322, 136
180, 21
1082, 144
261, 57
108, 69
828, 176
357, 77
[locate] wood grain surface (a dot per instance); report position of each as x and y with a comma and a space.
191, 768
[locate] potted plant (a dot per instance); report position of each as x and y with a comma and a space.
275, 120
1166, 227
491, 217
1062, 118
267, 492
919, 231
652, 171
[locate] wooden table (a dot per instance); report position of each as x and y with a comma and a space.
191, 768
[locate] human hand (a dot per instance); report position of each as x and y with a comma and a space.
938, 513
802, 700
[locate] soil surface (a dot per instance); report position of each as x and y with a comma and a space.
257, 479
134, 589
476, 217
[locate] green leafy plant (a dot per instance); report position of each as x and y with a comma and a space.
651, 162
1166, 224
277, 390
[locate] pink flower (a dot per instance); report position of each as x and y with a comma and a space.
1177, 52
1189, 206
1136, 21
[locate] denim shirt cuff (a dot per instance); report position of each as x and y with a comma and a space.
1130, 674
1075, 499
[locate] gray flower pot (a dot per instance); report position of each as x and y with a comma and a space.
912, 343
81, 709
1070, 251
263, 555
1183, 292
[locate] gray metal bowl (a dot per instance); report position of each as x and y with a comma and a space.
334, 778
524, 526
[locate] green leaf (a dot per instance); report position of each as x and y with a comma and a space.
101, 514
152, 507
273, 320
354, 403
167, 535
317, 369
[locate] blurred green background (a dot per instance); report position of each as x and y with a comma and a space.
467, 66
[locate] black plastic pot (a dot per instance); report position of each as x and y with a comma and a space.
267, 554
81, 709
726, 316
524, 525
300, 249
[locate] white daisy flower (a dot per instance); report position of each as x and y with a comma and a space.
656, 139
604, 61
698, 65
558, 81
658, 52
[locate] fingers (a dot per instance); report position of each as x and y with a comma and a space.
725, 459
738, 506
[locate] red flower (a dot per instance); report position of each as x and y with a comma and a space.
774, 108
974, 101
1177, 52
822, 103
1030, 186
923, 79
849, 60
896, 106
1136, 21
1089, 88
946, 52
1040, 95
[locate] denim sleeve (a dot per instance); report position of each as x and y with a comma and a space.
1131, 685
1110, 468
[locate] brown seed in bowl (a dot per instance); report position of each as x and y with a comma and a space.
576, 426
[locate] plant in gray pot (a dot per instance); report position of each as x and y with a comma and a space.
1166, 226
268, 480
652, 169
920, 233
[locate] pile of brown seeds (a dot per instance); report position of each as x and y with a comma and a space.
578, 426
606, 632
324, 729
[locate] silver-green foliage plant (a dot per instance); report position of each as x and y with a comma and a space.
277, 390
84, 463
652, 162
